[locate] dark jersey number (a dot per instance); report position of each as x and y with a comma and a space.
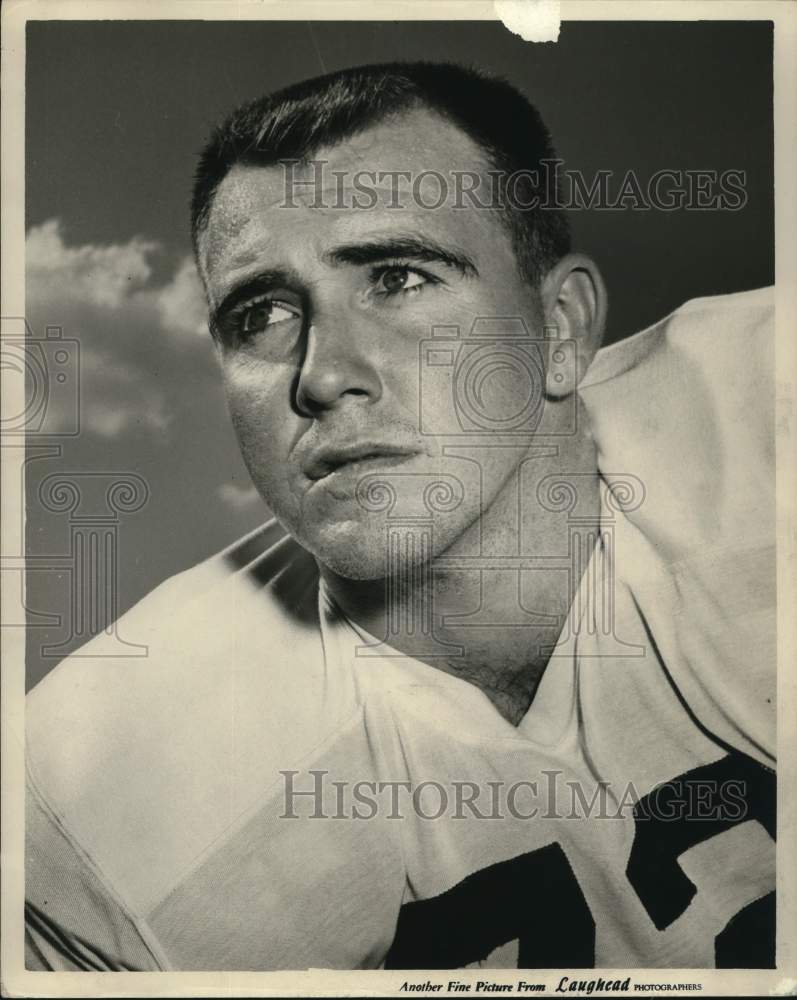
535, 898
497, 905
689, 810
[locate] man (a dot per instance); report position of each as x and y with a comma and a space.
496, 687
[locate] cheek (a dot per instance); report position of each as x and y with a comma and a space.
263, 419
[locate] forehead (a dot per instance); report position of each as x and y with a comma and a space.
266, 211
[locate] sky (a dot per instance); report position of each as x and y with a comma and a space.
116, 113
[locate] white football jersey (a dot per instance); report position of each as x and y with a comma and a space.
265, 790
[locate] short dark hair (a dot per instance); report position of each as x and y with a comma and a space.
293, 123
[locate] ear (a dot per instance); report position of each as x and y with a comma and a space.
575, 304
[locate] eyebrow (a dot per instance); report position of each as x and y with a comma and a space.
420, 249
257, 284
367, 252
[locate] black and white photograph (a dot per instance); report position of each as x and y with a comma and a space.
398, 523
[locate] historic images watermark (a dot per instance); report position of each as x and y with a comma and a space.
94, 503
553, 187
314, 794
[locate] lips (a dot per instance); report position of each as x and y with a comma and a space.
354, 455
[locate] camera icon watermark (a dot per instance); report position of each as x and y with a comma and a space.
50, 369
40, 405
493, 381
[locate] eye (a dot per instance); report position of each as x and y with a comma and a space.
258, 315
396, 279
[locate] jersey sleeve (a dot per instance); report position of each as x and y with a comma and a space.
73, 920
687, 408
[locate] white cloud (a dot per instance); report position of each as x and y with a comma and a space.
102, 275
238, 497
140, 354
182, 302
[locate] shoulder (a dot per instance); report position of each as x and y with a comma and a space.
146, 759
263, 586
700, 326
688, 407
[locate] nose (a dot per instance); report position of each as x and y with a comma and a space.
336, 369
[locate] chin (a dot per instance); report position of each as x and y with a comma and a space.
350, 549
357, 550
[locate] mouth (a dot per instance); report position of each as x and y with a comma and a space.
355, 459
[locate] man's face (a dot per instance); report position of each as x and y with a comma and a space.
321, 313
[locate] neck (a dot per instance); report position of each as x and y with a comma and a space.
489, 608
